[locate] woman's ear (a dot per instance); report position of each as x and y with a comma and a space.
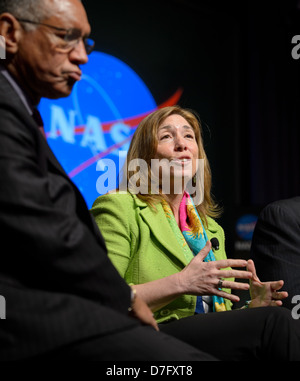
10, 29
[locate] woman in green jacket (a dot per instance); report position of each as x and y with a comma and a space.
158, 228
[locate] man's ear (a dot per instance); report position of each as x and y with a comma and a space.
10, 29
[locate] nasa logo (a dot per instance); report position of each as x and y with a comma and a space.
245, 226
97, 120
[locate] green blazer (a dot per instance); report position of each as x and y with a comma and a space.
143, 247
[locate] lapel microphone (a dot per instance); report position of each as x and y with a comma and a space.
215, 243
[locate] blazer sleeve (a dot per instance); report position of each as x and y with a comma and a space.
111, 215
275, 248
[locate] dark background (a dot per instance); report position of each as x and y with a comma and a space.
234, 63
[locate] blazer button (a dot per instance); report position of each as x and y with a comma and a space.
165, 312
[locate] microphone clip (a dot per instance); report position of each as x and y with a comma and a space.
215, 243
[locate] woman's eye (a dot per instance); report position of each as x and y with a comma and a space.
165, 136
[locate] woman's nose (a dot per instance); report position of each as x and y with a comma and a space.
180, 144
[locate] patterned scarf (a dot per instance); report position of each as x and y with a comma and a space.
192, 237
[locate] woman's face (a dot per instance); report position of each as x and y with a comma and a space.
177, 143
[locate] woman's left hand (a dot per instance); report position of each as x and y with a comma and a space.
264, 294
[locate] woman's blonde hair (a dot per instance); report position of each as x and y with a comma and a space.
144, 145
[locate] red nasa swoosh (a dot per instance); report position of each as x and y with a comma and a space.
132, 122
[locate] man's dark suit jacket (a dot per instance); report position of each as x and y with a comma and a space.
55, 275
276, 245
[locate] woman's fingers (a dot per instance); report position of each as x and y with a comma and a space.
224, 263
252, 269
237, 274
279, 295
233, 298
277, 285
236, 285
204, 252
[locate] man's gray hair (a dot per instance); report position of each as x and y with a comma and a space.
35, 10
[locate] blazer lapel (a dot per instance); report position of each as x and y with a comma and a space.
54, 165
161, 229
52, 159
49, 162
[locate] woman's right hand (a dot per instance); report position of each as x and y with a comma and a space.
142, 312
203, 278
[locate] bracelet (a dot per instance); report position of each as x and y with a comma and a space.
133, 297
247, 304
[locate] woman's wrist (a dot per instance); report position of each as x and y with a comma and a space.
133, 298
247, 304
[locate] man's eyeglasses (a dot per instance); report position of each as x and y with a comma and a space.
71, 37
